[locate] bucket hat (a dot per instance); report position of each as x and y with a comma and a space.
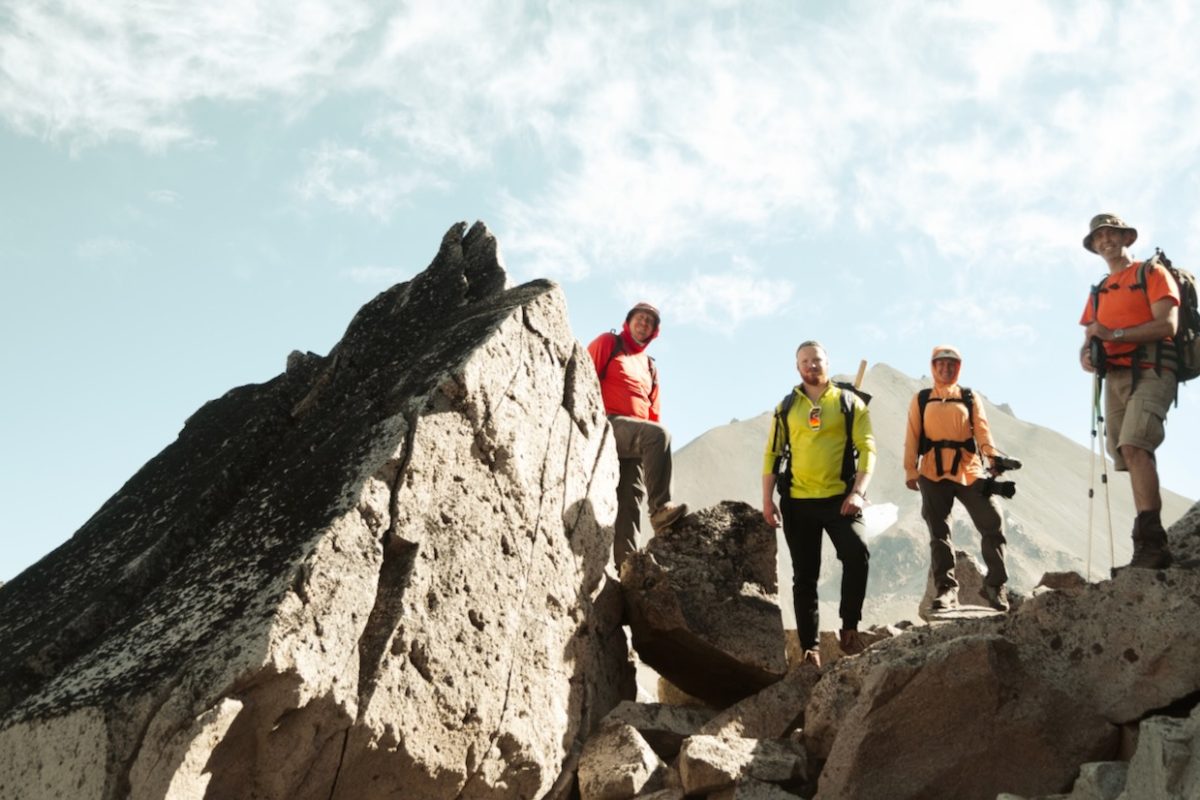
1106, 221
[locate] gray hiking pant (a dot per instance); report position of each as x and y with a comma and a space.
644, 449
937, 499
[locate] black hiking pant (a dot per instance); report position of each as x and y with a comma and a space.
803, 522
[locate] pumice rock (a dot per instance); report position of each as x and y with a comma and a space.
379, 574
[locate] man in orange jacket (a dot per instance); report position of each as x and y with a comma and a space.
629, 385
1137, 329
943, 438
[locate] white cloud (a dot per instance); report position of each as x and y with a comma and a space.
165, 197
89, 72
722, 301
353, 179
643, 131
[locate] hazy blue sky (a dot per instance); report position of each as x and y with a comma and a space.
192, 190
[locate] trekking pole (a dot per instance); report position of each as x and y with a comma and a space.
1092, 471
1112, 558
1097, 353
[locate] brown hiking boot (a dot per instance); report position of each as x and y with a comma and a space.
850, 642
995, 596
1150, 549
667, 515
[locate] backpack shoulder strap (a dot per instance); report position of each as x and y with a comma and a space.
1098, 290
922, 440
617, 348
781, 415
849, 452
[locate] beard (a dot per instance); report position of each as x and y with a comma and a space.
812, 378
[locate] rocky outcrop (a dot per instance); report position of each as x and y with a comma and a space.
702, 606
1064, 672
1032, 704
380, 574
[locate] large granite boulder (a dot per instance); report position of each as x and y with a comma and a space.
702, 605
380, 574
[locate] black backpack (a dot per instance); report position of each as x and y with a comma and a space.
1183, 355
1186, 347
924, 444
783, 463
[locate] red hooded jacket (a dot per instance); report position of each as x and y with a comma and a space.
629, 387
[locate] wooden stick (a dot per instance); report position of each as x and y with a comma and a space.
862, 370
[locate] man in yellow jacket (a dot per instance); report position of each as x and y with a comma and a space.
825, 490
946, 436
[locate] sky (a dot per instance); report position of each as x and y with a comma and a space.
190, 191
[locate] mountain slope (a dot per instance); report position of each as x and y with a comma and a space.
1046, 523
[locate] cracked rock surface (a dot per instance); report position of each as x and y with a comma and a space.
380, 574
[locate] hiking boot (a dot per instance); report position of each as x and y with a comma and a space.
1150, 549
667, 515
995, 596
946, 600
850, 642
812, 656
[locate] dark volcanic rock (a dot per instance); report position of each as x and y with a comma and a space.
702, 606
380, 574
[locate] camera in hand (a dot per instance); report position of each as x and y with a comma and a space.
992, 485
1004, 464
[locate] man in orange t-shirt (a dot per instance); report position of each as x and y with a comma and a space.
1134, 323
629, 386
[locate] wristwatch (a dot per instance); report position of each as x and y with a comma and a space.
1119, 333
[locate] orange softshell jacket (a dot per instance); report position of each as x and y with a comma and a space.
948, 421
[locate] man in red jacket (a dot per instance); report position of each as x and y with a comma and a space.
629, 385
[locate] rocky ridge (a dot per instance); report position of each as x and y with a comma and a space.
1086, 690
384, 568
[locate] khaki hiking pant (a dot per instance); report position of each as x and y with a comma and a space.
1134, 415
937, 500
644, 450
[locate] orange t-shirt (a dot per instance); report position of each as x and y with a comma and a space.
1123, 305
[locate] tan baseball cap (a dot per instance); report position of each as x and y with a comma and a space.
945, 351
